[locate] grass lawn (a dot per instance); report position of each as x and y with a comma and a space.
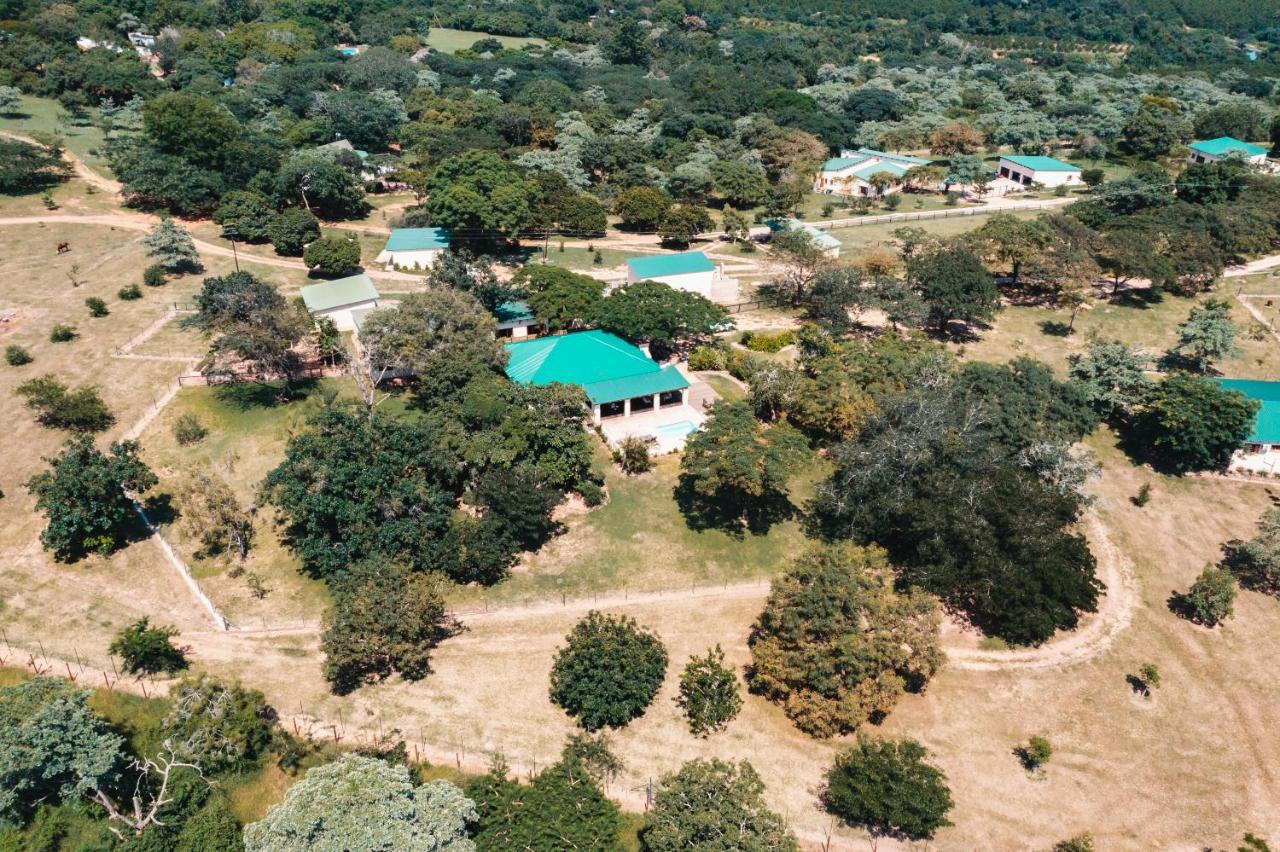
726, 387
862, 236
583, 260
448, 40
43, 116
1150, 327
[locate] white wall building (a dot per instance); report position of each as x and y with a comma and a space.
338, 299
1045, 171
851, 172
414, 248
1213, 150
687, 270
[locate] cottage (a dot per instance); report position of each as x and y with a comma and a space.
629, 392
340, 299
515, 318
851, 173
1224, 147
414, 248
829, 245
688, 270
1045, 171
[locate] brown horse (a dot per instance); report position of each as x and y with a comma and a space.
63, 248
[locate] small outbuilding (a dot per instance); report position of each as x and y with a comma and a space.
1045, 171
1226, 147
341, 299
414, 248
829, 245
692, 271
515, 319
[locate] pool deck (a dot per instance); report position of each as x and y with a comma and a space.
650, 425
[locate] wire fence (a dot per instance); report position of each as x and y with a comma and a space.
889, 218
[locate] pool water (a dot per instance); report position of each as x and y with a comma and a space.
679, 429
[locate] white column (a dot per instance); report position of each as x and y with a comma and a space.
626, 407
595, 414
684, 396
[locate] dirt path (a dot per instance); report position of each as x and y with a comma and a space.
80, 167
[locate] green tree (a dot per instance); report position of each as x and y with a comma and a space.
17, 356
1208, 335
216, 725
361, 804
1035, 753
682, 222
59, 407
212, 515
642, 208
1112, 375
836, 645
384, 620
1256, 563
738, 183
10, 100
954, 285
172, 247
290, 231
803, 261
332, 255
608, 671
1191, 423
888, 788
561, 807
249, 321
97, 307
1013, 241
1210, 599
712, 805
53, 747
246, 216
85, 497
25, 167
1236, 119
1150, 133
735, 472
213, 828
468, 273
480, 195
148, 650
568, 301
663, 316
708, 693
327, 190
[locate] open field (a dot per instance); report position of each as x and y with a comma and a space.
448, 40
44, 116
880, 233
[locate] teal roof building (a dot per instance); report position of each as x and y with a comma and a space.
417, 239
1227, 146
817, 236
666, 265
1266, 426
1041, 164
339, 293
604, 365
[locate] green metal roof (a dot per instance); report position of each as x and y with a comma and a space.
835, 164
335, 294
892, 168
898, 158
515, 312
820, 237
862, 155
604, 365
1041, 164
662, 265
1266, 426
1224, 145
417, 239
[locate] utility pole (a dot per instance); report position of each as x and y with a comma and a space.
230, 234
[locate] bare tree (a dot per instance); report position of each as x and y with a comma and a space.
144, 806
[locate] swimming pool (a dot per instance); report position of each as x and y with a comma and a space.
677, 430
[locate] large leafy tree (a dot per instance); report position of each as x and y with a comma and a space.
52, 747
642, 208
954, 286
708, 692
316, 181
969, 504
58, 406
1256, 562
608, 671
562, 808
803, 262
172, 247
649, 311
1208, 335
714, 805
85, 496
889, 788
468, 273
250, 322
480, 196
1112, 375
1013, 241
25, 167
681, 223
836, 645
1191, 423
735, 471
246, 216
218, 725
362, 804
385, 619
350, 488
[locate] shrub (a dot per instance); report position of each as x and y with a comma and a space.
129, 293
888, 788
893, 202
217, 725
592, 493
632, 455
16, 356
1035, 753
147, 650
57, 406
97, 307
608, 671
707, 358
332, 255
1079, 843
62, 333
763, 341
1209, 600
188, 430
1093, 177
708, 693
153, 275
1143, 497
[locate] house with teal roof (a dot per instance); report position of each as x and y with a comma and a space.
341, 299
1224, 147
687, 270
620, 379
852, 173
1046, 171
829, 245
414, 248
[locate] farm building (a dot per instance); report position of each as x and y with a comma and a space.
688, 270
830, 245
1213, 150
339, 300
413, 248
515, 318
629, 392
1045, 171
851, 173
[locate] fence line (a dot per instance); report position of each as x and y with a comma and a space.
884, 218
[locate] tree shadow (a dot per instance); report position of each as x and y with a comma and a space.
730, 516
1054, 328
245, 396
160, 509
1138, 685
1139, 298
